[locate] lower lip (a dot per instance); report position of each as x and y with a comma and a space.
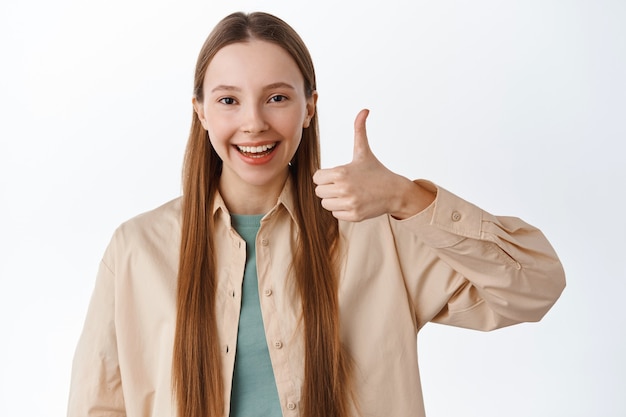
257, 160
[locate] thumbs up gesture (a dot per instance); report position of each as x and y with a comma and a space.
365, 188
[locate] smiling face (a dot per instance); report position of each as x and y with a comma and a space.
254, 108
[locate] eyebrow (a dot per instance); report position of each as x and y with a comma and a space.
280, 84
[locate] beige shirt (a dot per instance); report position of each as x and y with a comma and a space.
453, 263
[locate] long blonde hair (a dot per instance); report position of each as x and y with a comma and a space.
197, 380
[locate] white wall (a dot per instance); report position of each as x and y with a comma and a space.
518, 106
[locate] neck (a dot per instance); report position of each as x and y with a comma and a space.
251, 199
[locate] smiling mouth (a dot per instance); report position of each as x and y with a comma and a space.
257, 151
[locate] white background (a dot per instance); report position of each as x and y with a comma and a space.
517, 106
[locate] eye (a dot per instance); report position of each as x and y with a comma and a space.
227, 100
278, 98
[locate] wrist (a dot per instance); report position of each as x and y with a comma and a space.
412, 198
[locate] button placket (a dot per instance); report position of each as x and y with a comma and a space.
279, 351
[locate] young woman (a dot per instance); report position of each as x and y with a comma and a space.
272, 287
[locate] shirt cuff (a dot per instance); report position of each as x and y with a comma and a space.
447, 220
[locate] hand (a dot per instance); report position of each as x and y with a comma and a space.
365, 188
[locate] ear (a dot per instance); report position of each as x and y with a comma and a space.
311, 103
197, 106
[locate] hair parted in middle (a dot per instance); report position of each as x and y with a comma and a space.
197, 380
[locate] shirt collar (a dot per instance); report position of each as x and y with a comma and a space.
286, 199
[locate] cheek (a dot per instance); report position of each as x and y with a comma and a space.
294, 124
216, 139
217, 129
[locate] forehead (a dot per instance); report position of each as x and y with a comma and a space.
250, 63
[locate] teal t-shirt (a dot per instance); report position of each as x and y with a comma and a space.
254, 392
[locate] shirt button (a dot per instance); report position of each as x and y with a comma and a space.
231, 293
264, 242
267, 292
291, 406
278, 344
456, 216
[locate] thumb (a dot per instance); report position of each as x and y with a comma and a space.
361, 145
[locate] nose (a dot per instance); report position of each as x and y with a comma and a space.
253, 120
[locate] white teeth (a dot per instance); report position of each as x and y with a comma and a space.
256, 149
